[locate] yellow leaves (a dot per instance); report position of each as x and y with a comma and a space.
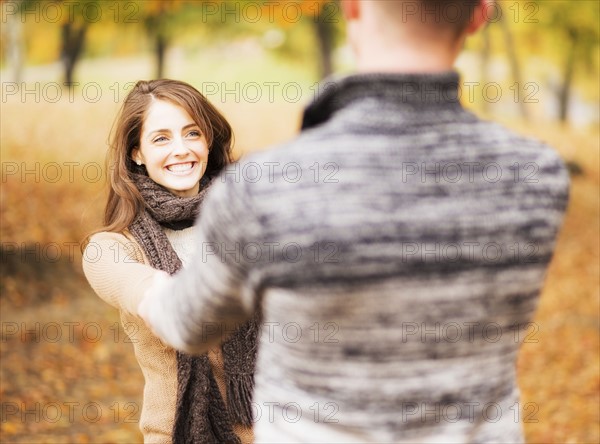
56, 390
158, 7
559, 373
11, 428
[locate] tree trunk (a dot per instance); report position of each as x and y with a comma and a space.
324, 31
161, 46
12, 34
72, 46
514, 62
485, 61
565, 91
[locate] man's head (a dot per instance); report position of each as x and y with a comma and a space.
413, 35
438, 15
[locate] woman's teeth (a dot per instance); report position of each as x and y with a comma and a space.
181, 167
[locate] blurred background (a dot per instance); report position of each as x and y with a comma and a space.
67, 371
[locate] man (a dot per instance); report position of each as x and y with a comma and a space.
396, 249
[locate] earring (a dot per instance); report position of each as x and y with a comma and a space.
139, 162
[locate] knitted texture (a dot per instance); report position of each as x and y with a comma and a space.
201, 414
404, 245
120, 274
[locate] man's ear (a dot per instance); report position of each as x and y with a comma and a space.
484, 10
351, 9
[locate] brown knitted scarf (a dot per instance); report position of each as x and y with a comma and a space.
201, 414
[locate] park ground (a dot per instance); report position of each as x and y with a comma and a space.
68, 373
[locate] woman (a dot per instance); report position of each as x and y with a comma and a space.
169, 143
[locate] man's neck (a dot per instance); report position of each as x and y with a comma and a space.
424, 60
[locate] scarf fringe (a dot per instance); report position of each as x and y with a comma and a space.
239, 398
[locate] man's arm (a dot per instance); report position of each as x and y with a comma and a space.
200, 306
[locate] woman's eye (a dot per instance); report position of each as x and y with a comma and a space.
194, 133
160, 139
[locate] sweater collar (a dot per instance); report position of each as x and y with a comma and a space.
416, 90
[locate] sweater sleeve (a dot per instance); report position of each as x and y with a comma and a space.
210, 298
114, 267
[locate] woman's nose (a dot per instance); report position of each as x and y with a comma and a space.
179, 146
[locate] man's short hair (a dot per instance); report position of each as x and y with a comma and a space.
454, 14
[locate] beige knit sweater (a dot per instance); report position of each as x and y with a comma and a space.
119, 272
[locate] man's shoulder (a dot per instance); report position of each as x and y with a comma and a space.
298, 148
533, 163
265, 172
518, 146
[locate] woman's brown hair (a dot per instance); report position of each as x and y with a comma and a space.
124, 200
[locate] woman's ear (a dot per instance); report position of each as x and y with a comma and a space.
136, 156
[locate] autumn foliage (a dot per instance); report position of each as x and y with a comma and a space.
87, 379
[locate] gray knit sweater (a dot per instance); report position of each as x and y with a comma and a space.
397, 249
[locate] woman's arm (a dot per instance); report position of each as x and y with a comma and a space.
114, 267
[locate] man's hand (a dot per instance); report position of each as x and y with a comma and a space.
147, 306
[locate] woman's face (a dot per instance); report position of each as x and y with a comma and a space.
172, 148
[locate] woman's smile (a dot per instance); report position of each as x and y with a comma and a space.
172, 148
181, 169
